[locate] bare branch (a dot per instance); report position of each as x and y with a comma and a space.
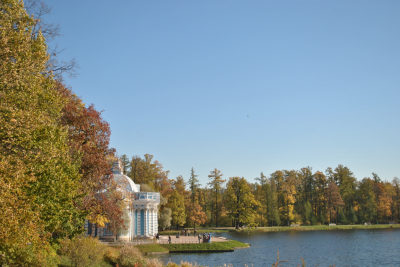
50, 31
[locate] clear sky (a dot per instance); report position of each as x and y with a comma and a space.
242, 86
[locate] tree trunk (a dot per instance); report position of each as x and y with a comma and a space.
212, 211
216, 209
337, 214
288, 221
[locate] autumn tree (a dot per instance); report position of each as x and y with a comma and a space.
115, 209
352, 216
195, 212
279, 177
333, 199
203, 199
50, 31
289, 191
177, 205
143, 171
125, 164
135, 165
179, 185
193, 185
196, 215
307, 213
367, 199
164, 218
240, 202
147, 171
345, 180
342, 217
396, 196
216, 186
272, 204
384, 202
320, 185
261, 195
89, 136
305, 185
39, 178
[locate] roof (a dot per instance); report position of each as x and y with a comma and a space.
123, 180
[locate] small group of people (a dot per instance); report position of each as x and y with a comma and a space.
186, 233
206, 238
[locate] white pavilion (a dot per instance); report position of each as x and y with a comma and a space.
142, 209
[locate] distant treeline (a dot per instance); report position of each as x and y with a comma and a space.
283, 198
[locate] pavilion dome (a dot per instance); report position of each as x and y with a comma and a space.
123, 180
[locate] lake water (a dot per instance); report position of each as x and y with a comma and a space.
377, 247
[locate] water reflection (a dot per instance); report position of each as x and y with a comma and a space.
341, 248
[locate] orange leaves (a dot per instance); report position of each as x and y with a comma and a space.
89, 137
196, 214
384, 201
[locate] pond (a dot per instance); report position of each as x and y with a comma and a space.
377, 247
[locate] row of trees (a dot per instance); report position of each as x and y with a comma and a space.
283, 198
54, 150
55, 165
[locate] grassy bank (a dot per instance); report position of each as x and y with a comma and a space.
323, 227
193, 247
285, 228
200, 231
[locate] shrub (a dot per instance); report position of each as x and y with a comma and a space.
30, 255
82, 251
154, 263
48, 257
130, 256
111, 255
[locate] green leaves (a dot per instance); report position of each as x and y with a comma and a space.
240, 202
39, 180
176, 203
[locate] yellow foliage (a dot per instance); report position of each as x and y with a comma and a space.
98, 219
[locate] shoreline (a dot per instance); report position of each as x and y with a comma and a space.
288, 228
323, 228
213, 247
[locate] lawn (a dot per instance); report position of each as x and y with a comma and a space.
285, 228
152, 248
215, 246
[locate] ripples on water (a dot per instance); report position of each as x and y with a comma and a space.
377, 247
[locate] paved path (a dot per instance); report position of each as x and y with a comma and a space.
187, 239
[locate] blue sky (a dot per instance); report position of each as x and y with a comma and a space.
242, 86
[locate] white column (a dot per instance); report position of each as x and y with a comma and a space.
132, 230
145, 222
139, 225
156, 221
151, 231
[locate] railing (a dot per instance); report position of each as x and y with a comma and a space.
179, 242
147, 196
142, 242
133, 242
